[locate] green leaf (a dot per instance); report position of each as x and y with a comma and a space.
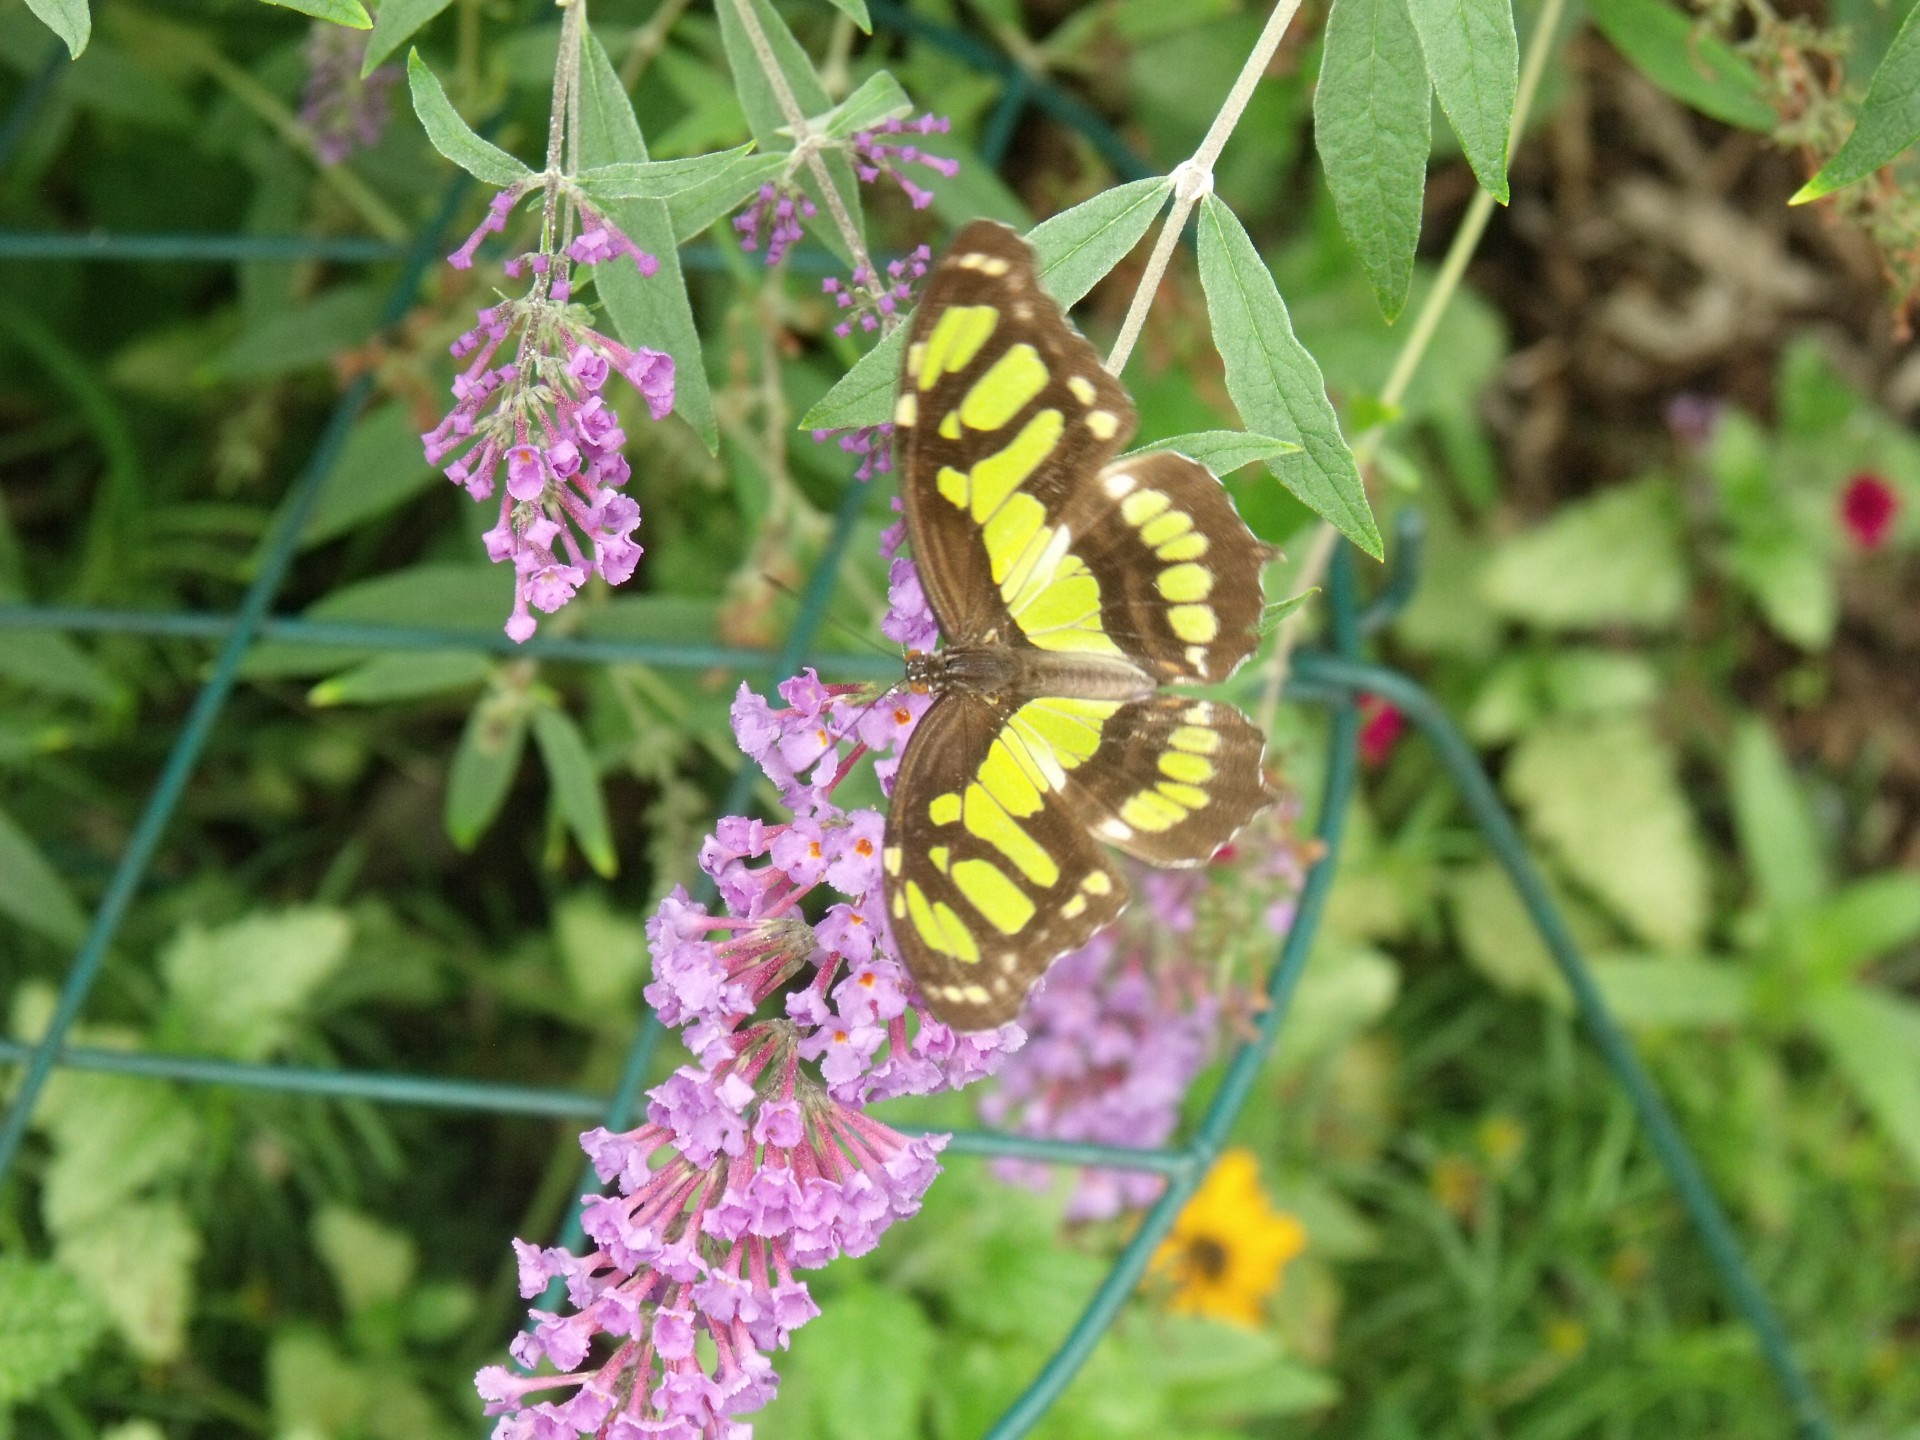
350, 13
71, 20
1687, 63
1274, 382
301, 336
1473, 59
602, 952
1072, 252
47, 1326
32, 892
693, 210
1221, 451
450, 597
1498, 936
771, 125
394, 25
1889, 118
453, 137
856, 11
404, 675
878, 98
1672, 991
1604, 795
1372, 118
1076, 249
1777, 834
1868, 919
112, 1138
645, 310
370, 1262
381, 467
1873, 1039
484, 764
576, 786
869, 1357
49, 662
657, 179
239, 990
1611, 560
138, 1263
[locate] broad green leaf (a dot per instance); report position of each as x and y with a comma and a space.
878, 98
770, 123
871, 1343
1690, 65
1346, 989
695, 209
645, 310
1473, 59
1221, 451
49, 662
453, 137
1873, 1039
657, 179
1372, 115
1611, 560
576, 786
302, 336
313, 1389
1604, 795
1777, 834
603, 953
1076, 249
449, 597
1672, 991
396, 23
370, 1262
1498, 936
1223, 1373
32, 892
1789, 575
1072, 252
350, 13
403, 675
71, 20
381, 466
484, 764
1867, 920
138, 1263
112, 1138
1274, 382
1889, 118
47, 1326
240, 989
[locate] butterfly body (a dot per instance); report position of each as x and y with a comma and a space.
1069, 587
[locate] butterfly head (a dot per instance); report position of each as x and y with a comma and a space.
924, 671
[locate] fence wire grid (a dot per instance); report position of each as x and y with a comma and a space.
1336, 676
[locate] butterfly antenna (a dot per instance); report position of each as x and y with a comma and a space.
845, 629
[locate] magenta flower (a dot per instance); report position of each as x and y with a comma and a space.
541, 414
758, 1161
773, 219
341, 111
1868, 508
876, 155
1381, 724
871, 304
1119, 1028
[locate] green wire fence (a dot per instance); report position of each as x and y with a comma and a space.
1335, 676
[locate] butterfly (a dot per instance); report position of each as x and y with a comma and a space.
1069, 586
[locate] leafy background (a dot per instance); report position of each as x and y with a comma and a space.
1697, 689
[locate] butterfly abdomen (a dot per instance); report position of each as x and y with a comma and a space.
1009, 671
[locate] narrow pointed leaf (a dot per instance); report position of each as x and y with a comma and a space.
658, 179
694, 209
350, 13
1221, 451
1473, 60
71, 20
879, 98
1274, 382
1889, 118
1777, 833
484, 764
1692, 67
1873, 1039
452, 136
576, 787
856, 11
32, 892
397, 22
651, 310
1372, 122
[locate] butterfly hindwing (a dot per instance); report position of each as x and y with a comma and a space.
1004, 412
989, 875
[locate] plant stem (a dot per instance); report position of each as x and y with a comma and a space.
1193, 180
1406, 363
649, 40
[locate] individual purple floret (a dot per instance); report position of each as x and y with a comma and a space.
773, 219
542, 415
876, 153
871, 304
1119, 1028
758, 1161
341, 111
872, 443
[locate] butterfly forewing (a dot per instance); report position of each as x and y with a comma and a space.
989, 874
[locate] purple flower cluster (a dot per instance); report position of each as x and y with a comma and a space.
1120, 1027
757, 1161
876, 153
341, 111
871, 304
774, 218
872, 443
541, 413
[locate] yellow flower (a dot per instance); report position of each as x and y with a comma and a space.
1229, 1245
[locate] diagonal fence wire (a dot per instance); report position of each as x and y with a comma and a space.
1338, 678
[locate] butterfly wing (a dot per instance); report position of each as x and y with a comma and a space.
989, 872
